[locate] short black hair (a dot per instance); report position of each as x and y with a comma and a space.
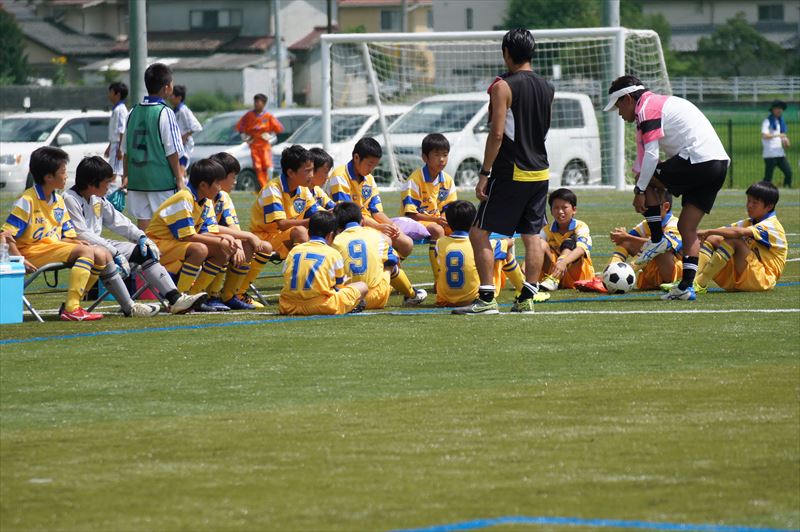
367, 147
46, 160
667, 198
764, 191
321, 158
520, 45
460, 214
261, 96
321, 224
435, 141
91, 172
228, 162
156, 77
347, 212
206, 171
179, 91
294, 157
627, 81
563, 194
120, 88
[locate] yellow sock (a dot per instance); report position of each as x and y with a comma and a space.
514, 273
718, 260
215, 287
187, 276
207, 274
620, 254
432, 258
399, 281
79, 277
706, 252
256, 265
233, 280
96, 271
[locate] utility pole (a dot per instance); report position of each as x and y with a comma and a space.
611, 13
137, 37
404, 16
276, 7
330, 16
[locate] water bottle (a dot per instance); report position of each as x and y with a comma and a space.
3, 249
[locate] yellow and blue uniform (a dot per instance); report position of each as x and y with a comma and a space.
457, 281
346, 185
225, 211
766, 261
426, 194
323, 200
577, 230
366, 254
313, 281
39, 224
650, 277
181, 215
275, 202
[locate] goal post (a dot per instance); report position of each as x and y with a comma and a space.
451, 72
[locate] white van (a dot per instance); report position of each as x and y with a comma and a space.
573, 143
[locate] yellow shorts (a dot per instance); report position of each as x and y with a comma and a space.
41, 253
447, 230
173, 253
582, 270
340, 302
279, 241
754, 278
650, 277
378, 296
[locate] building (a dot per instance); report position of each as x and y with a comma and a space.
468, 15
376, 16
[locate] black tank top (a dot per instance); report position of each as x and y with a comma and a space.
526, 126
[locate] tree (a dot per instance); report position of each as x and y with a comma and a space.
13, 62
738, 49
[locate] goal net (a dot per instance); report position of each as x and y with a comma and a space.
446, 76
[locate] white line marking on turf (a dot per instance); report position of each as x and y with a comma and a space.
793, 260
678, 311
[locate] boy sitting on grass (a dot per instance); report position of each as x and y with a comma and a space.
566, 244
313, 274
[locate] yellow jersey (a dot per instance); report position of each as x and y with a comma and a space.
671, 233
277, 202
365, 253
457, 280
426, 194
182, 215
576, 229
768, 242
346, 185
225, 211
321, 197
36, 218
311, 270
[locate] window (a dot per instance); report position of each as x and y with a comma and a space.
78, 130
390, 20
98, 130
470, 21
566, 114
430, 19
770, 13
208, 19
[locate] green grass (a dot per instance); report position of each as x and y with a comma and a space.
407, 420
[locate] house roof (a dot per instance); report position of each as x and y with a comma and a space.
180, 42
381, 3
311, 39
249, 44
63, 41
211, 62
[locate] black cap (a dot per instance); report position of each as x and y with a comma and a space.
777, 103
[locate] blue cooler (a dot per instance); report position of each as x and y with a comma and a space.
12, 284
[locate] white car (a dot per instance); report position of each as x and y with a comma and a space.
347, 127
79, 133
573, 143
219, 134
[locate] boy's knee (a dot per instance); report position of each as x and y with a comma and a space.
361, 287
299, 234
101, 255
436, 231
196, 251
715, 240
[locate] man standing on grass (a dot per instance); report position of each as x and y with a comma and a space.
512, 184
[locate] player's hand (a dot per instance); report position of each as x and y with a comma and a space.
263, 247
147, 246
639, 203
229, 246
29, 267
785, 141
123, 266
559, 269
389, 230
618, 235
702, 234
480, 188
442, 221
239, 257
108, 151
119, 154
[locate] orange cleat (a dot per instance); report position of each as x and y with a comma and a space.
595, 284
79, 315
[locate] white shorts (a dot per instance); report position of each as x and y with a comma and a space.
124, 248
115, 163
142, 205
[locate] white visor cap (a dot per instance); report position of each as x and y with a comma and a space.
616, 95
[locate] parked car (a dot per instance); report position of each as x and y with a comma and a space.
219, 134
79, 133
573, 143
347, 127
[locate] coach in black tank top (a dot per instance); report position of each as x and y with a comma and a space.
513, 180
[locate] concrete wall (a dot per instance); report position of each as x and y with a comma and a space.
451, 15
691, 12
298, 18
52, 98
370, 18
174, 15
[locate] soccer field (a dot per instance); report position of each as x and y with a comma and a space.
650, 414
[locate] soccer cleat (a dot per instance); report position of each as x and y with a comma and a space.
541, 297
360, 306
700, 289
217, 304
235, 303
275, 257
205, 307
78, 315
250, 301
549, 284
666, 287
479, 306
419, 297
676, 294
522, 307
187, 302
142, 310
650, 251
595, 284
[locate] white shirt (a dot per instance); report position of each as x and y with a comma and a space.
771, 147
117, 122
187, 122
168, 125
90, 217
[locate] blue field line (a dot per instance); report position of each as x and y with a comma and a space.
282, 319
595, 523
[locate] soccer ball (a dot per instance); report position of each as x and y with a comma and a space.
619, 277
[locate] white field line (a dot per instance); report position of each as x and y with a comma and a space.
793, 260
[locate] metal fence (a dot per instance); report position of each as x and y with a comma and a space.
744, 89
52, 98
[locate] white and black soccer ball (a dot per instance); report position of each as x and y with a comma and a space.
619, 277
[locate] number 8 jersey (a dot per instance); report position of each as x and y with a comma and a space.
457, 281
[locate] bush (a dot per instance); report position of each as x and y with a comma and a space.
216, 102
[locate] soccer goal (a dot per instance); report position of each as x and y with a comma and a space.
447, 74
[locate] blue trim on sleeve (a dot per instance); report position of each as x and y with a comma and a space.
341, 196
178, 225
272, 207
311, 210
373, 204
408, 200
17, 222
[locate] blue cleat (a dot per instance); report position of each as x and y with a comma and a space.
676, 294
217, 304
235, 303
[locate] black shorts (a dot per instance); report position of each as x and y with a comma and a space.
697, 183
513, 207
